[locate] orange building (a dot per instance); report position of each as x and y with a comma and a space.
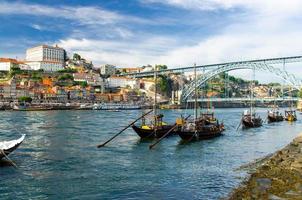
47, 81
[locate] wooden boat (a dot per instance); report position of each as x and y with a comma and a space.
202, 127
274, 116
200, 130
290, 115
156, 128
6, 147
251, 120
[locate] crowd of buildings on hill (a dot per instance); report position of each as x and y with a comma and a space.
47, 74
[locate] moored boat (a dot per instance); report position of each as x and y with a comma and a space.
200, 130
156, 128
6, 147
202, 127
274, 116
251, 120
290, 115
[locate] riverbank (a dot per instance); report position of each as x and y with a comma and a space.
278, 177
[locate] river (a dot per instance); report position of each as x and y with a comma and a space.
59, 158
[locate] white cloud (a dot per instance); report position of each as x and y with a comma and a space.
144, 50
37, 27
86, 15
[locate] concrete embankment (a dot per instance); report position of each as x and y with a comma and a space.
278, 177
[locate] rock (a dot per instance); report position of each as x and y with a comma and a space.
292, 193
263, 184
298, 139
274, 197
279, 178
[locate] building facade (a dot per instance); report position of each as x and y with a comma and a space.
123, 82
7, 63
47, 66
107, 69
46, 57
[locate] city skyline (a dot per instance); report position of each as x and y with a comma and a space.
140, 32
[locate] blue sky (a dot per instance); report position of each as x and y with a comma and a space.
138, 32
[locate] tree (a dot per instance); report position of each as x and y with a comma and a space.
300, 93
25, 99
65, 77
76, 56
161, 67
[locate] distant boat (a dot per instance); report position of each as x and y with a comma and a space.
28, 107
290, 115
85, 107
118, 107
251, 120
6, 147
274, 116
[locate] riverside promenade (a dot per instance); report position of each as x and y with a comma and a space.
278, 177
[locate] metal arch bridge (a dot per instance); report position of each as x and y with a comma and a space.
269, 61
212, 70
247, 99
260, 66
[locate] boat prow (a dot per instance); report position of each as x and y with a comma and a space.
6, 147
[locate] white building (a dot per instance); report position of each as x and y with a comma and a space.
107, 69
7, 63
123, 82
46, 65
45, 57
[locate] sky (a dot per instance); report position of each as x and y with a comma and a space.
178, 33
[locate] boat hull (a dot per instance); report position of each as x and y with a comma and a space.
150, 133
6, 151
291, 119
251, 123
204, 134
275, 118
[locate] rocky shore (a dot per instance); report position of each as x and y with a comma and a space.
277, 177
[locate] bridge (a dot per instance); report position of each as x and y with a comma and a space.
212, 70
267, 100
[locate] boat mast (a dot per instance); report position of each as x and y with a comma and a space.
195, 85
155, 96
252, 91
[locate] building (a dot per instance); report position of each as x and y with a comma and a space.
129, 70
123, 82
46, 57
90, 79
7, 63
107, 70
48, 66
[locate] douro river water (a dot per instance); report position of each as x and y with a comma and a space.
59, 158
